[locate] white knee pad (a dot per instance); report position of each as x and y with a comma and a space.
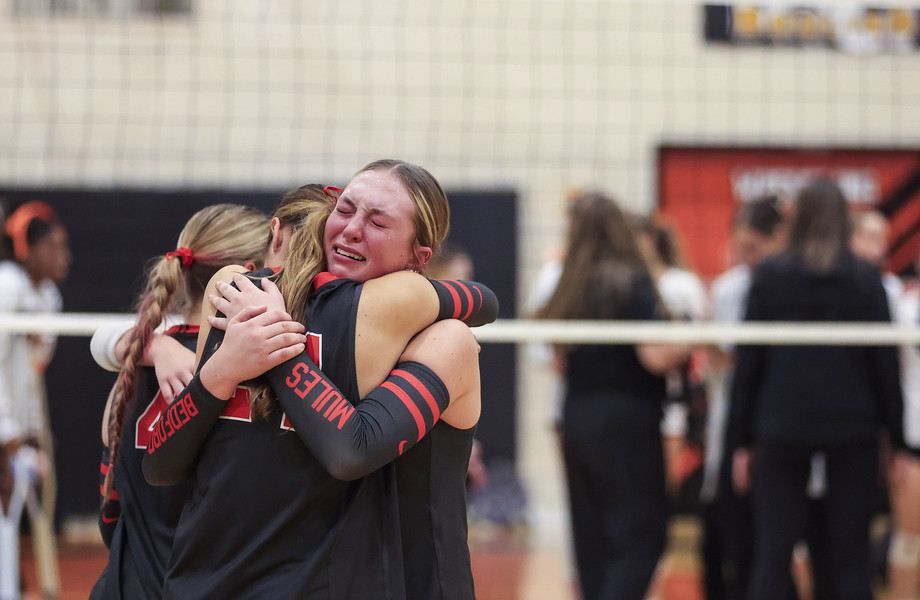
905, 549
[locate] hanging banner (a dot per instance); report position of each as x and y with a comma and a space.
700, 188
846, 27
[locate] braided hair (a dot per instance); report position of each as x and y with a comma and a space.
214, 237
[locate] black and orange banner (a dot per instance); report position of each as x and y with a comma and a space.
700, 188
844, 26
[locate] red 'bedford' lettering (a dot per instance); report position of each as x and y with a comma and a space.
173, 416
190, 409
167, 426
157, 437
154, 442
180, 413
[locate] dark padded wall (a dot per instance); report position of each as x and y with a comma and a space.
484, 224
113, 234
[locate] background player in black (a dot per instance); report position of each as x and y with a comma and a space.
138, 520
369, 308
789, 402
612, 444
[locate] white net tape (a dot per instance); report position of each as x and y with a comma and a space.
600, 332
520, 331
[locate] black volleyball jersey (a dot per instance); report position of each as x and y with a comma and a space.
265, 520
431, 478
144, 534
607, 368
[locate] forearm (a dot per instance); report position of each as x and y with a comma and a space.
108, 345
658, 359
470, 301
180, 433
349, 440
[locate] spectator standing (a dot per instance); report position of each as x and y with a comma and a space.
789, 402
611, 441
28, 285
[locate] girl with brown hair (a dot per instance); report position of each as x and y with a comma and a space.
611, 440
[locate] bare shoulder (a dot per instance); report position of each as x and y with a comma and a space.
224, 275
399, 300
396, 287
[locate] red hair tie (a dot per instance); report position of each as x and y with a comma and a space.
185, 254
332, 191
17, 225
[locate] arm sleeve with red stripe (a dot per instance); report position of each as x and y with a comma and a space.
351, 441
180, 433
109, 508
469, 301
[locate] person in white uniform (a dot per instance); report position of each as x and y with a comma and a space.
904, 493
869, 240
685, 299
28, 285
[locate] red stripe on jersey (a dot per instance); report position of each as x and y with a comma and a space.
182, 328
106, 519
421, 389
238, 408
314, 348
143, 427
402, 395
104, 468
322, 279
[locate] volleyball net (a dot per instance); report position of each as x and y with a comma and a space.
524, 331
